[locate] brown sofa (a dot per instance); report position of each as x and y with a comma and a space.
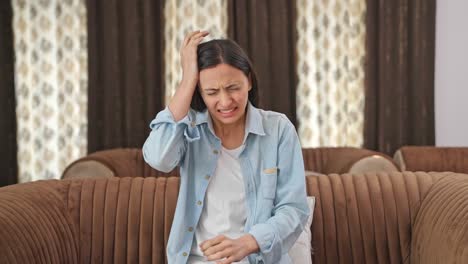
361, 218
129, 162
426, 158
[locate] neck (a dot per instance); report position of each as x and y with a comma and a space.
232, 135
229, 130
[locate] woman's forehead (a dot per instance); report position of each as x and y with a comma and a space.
222, 74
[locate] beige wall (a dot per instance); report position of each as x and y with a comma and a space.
451, 73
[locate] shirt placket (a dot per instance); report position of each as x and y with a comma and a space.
215, 150
250, 193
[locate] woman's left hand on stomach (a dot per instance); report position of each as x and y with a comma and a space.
225, 250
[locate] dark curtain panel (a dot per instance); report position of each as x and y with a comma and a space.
266, 30
399, 70
125, 51
8, 161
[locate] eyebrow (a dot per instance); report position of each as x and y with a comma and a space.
211, 89
215, 89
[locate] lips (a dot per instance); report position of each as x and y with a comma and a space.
227, 112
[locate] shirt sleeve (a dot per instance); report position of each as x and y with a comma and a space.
278, 234
165, 147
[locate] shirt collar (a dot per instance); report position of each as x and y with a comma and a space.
253, 120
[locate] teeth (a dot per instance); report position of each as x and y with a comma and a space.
226, 111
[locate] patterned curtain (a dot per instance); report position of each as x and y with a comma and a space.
182, 17
51, 85
330, 94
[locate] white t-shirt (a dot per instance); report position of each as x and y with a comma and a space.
224, 210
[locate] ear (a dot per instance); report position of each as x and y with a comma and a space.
250, 82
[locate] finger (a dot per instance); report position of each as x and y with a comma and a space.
197, 38
188, 36
211, 242
226, 261
192, 35
213, 249
219, 255
196, 42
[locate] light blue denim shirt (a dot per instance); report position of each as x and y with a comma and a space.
272, 167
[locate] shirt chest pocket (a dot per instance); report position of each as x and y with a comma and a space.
269, 179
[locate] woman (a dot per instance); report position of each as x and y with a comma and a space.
242, 196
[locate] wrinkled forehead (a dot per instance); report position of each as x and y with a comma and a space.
220, 76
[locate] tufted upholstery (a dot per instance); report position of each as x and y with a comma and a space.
443, 214
362, 218
128, 162
366, 218
34, 226
425, 158
100, 220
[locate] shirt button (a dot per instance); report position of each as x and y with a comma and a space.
207, 177
193, 124
215, 152
190, 229
199, 202
184, 254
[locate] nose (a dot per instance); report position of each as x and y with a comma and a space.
225, 99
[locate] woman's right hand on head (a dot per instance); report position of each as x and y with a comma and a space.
180, 102
188, 56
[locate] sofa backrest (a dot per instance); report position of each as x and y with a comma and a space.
327, 160
120, 162
364, 217
87, 220
427, 158
127, 162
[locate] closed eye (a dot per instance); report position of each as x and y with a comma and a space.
233, 87
211, 91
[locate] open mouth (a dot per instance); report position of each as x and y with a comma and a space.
227, 112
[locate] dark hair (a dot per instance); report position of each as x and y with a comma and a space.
218, 51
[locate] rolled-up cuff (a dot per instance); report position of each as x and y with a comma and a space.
264, 236
191, 132
268, 242
165, 116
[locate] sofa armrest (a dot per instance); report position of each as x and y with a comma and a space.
440, 232
34, 226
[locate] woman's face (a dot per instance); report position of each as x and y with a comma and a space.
225, 91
